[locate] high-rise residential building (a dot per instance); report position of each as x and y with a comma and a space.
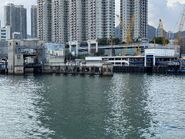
40, 15
160, 30
34, 21
44, 20
16, 18
91, 19
76, 21
47, 19
91, 25
55, 21
105, 18
60, 21
134, 19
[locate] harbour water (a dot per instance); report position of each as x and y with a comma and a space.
125, 106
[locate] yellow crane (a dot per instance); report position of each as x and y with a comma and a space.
130, 35
130, 31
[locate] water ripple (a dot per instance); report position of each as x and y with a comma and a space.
126, 106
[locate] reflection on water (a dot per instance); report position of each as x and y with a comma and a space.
130, 106
129, 116
19, 111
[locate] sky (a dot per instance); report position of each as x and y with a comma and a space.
167, 10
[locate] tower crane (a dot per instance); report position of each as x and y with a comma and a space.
129, 27
130, 30
181, 26
182, 22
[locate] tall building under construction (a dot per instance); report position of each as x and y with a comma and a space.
160, 30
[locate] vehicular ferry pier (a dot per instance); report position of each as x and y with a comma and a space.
33, 56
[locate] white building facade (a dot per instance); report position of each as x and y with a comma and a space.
5, 33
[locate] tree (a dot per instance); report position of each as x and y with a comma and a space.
160, 40
99, 53
108, 41
68, 56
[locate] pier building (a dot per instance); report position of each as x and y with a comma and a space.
25, 55
151, 57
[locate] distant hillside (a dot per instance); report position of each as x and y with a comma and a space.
182, 34
151, 32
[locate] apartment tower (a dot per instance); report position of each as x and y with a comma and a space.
16, 18
91, 19
134, 19
60, 29
44, 20
34, 21
75, 21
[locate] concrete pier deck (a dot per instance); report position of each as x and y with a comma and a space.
105, 70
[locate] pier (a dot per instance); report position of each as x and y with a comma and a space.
30, 56
105, 70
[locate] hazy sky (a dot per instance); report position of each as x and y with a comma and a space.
168, 10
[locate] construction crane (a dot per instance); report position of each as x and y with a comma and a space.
129, 35
130, 30
182, 22
181, 26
